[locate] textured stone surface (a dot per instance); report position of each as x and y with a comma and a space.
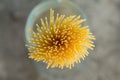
104, 20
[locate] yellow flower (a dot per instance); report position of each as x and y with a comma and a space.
61, 42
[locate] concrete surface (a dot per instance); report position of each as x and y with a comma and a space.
104, 21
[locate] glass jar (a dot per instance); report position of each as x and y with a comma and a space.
63, 7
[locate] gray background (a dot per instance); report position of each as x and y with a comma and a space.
103, 17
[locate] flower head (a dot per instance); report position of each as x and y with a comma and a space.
61, 42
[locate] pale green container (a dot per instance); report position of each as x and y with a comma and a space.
64, 7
